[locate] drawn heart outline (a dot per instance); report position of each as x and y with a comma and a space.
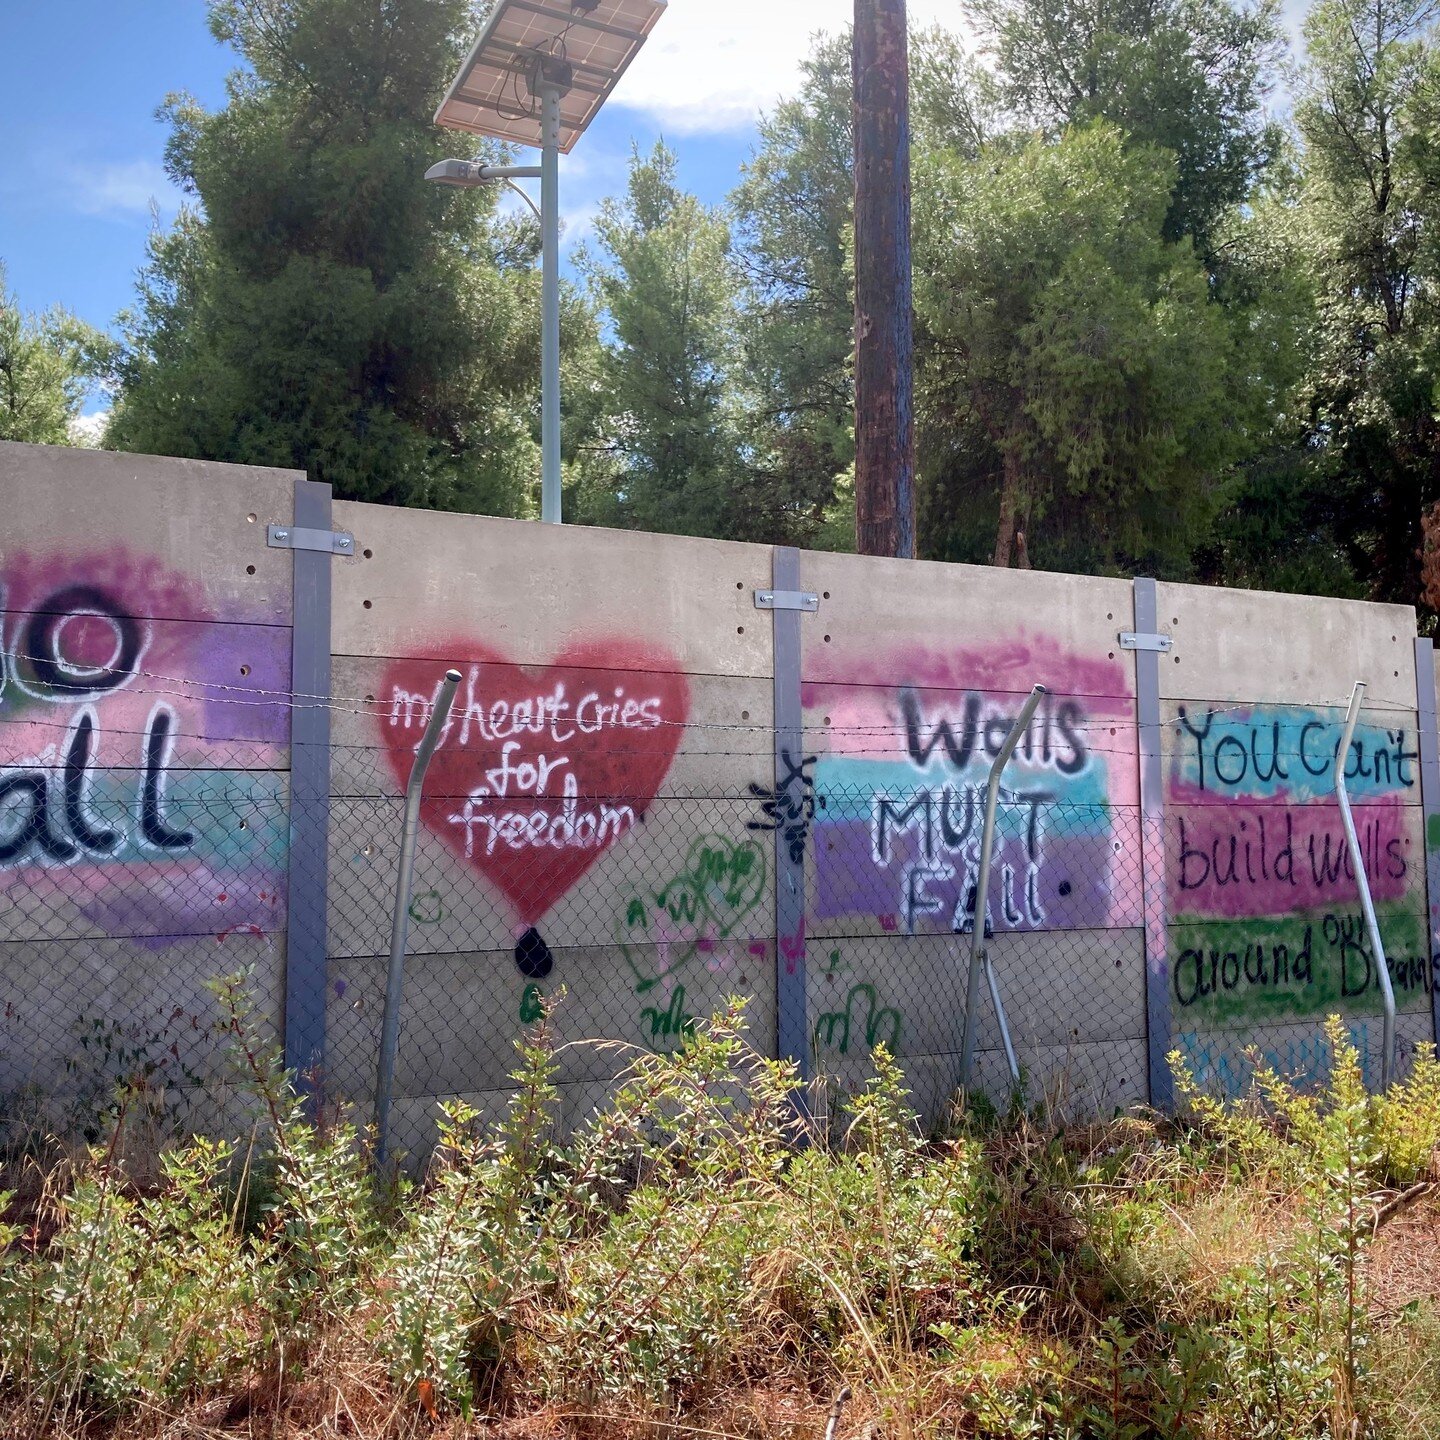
720, 884
541, 769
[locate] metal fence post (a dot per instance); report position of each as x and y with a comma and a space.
306, 931
400, 921
792, 1030
978, 957
1159, 1025
1429, 748
1362, 883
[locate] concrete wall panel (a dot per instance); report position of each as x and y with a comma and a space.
1253, 647
531, 593
1219, 1062
463, 1013
889, 621
81, 1016
142, 514
688, 875
1075, 987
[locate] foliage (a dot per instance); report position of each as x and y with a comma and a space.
1186, 76
792, 214
321, 305
49, 365
1072, 341
1207, 1280
1368, 114
661, 270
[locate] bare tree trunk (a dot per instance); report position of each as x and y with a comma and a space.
1009, 509
884, 343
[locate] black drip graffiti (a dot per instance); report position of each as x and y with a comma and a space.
533, 957
790, 806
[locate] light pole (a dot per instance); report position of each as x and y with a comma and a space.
538, 75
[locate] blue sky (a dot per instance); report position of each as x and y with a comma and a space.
80, 168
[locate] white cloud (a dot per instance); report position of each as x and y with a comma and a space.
121, 189
713, 65
86, 430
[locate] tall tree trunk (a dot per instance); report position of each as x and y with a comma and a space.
1009, 508
884, 327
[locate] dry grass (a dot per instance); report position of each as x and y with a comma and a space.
1116, 1281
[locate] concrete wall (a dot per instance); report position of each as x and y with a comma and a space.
1265, 932
601, 813
144, 758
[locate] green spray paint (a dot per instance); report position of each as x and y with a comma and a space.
1294, 967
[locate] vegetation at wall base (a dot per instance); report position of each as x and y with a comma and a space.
681, 1265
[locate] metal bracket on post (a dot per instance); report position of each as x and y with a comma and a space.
786, 600
1130, 640
298, 537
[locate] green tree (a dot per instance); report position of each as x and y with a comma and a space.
1070, 353
1368, 108
662, 273
1189, 76
323, 306
49, 365
793, 213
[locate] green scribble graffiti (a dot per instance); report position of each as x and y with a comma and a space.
721, 883
532, 1004
427, 908
837, 1029
669, 1023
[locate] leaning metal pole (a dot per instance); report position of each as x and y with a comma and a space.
982, 895
400, 921
550, 305
1357, 859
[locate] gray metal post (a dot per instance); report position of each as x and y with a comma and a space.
982, 897
1429, 747
1377, 946
1159, 1020
550, 307
400, 921
792, 1031
307, 908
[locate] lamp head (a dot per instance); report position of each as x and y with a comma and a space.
463, 174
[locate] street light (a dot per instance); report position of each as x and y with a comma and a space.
538, 75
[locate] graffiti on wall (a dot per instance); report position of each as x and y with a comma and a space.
1265, 917
901, 787
541, 771
704, 905
137, 779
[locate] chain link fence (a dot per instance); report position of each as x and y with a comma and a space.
138, 865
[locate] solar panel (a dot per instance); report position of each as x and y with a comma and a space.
597, 39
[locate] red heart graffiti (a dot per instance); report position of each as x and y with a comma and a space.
542, 769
